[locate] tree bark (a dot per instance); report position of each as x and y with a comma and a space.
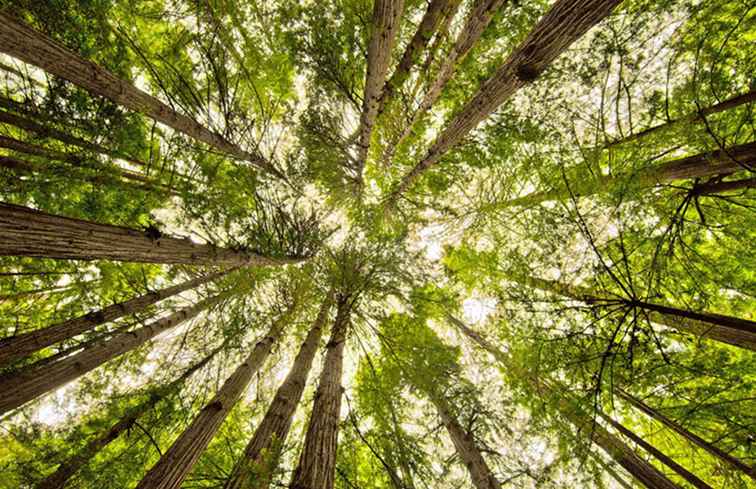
726, 329
66, 470
21, 387
437, 10
565, 23
27, 232
385, 26
696, 440
477, 21
713, 163
641, 470
22, 42
25, 344
464, 444
658, 454
697, 116
169, 472
317, 462
260, 459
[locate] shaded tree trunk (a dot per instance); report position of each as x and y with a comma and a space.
169, 472
696, 440
385, 26
21, 41
480, 16
66, 470
726, 329
641, 470
25, 344
27, 232
21, 387
697, 116
317, 462
437, 10
464, 444
260, 459
713, 163
563, 24
658, 454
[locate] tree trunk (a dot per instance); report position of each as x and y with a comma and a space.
385, 26
641, 470
437, 10
658, 454
23, 42
260, 459
35, 380
693, 117
691, 437
477, 21
464, 444
27, 232
58, 479
47, 131
716, 188
169, 472
565, 23
25, 344
714, 163
726, 329
317, 462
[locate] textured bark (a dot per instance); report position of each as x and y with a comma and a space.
47, 131
563, 24
170, 471
25, 344
691, 437
317, 462
477, 21
260, 459
702, 165
697, 116
66, 470
658, 454
437, 10
385, 26
22, 42
35, 380
716, 188
727, 329
27, 232
464, 444
641, 470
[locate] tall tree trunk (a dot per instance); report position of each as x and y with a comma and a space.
260, 459
696, 440
709, 164
317, 462
21, 41
565, 23
47, 131
716, 188
21, 387
437, 10
25, 344
658, 454
697, 116
726, 329
480, 16
169, 472
66, 470
641, 470
464, 444
27, 232
385, 26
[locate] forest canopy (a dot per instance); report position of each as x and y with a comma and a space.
391, 244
